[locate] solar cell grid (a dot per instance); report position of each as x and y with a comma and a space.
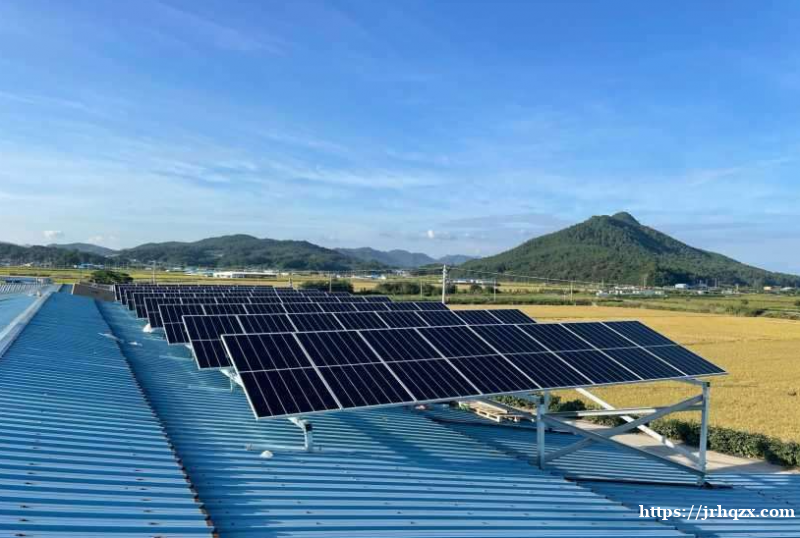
399, 320
476, 317
456, 341
508, 339
511, 316
273, 323
493, 374
315, 322
598, 367
364, 385
639, 333
265, 309
433, 380
337, 348
254, 352
400, 345
555, 337
302, 308
337, 307
370, 307
436, 318
547, 370
360, 320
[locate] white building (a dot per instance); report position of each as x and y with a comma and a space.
268, 275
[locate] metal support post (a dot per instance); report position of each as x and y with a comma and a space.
308, 429
540, 430
444, 284
702, 463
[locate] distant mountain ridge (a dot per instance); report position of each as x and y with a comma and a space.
401, 258
85, 247
17, 254
619, 249
247, 251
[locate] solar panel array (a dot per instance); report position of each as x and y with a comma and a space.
298, 352
289, 374
205, 332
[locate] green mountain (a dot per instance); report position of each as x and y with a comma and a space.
59, 256
245, 251
621, 250
401, 258
85, 247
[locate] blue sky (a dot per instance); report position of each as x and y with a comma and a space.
435, 126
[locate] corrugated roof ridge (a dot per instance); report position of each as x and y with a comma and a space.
97, 473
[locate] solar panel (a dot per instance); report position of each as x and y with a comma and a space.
224, 309
265, 309
493, 374
361, 320
370, 307
508, 339
337, 348
364, 385
476, 317
315, 322
430, 305
434, 380
555, 337
456, 341
685, 361
204, 335
302, 308
402, 306
436, 318
377, 299
259, 323
639, 333
337, 307
400, 345
398, 320
547, 370
511, 316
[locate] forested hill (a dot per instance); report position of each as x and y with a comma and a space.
621, 250
245, 251
58, 256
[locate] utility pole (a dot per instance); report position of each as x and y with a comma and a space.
444, 284
330, 282
494, 299
571, 298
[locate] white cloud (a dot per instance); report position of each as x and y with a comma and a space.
431, 234
52, 235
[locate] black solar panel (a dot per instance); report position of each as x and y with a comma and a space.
508, 339
456, 341
399, 320
639, 333
430, 305
440, 318
599, 335
302, 308
477, 317
685, 361
265, 308
641, 362
511, 316
286, 392
400, 345
377, 299
370, 307
493, 374
224, 309
337, 348
315, 322
598, 367
271, 323
547, 370
555, 337
364, 385
337, 307
433, 380
361, 320
394, 307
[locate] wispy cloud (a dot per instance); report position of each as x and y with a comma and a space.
53, 235
217, 34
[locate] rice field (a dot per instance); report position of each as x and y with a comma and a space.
761, 393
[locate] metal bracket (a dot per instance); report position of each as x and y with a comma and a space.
700, 402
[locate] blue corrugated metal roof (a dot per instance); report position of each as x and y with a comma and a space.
11, 306
381, 473
81, 451
594, 467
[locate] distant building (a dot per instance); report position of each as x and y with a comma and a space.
682, 286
